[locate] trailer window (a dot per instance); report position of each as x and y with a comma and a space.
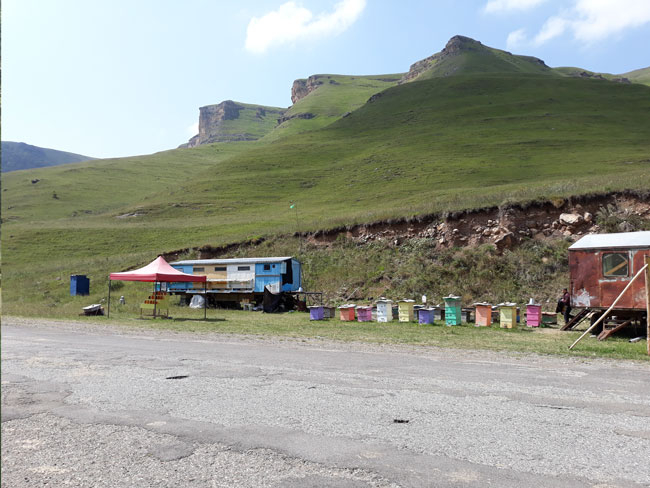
267, 267
199, 270
615, 264
220, 268
243, 268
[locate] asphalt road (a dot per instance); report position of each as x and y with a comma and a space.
91, 406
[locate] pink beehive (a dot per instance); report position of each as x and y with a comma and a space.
533, 315
364, 314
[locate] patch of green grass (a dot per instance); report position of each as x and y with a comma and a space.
298, 326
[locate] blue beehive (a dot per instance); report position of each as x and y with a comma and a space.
79, 285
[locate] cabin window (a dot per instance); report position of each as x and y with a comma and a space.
199, 270
243, 268
220, 268
615, 264
267, 267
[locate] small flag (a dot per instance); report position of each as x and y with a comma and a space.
292, 205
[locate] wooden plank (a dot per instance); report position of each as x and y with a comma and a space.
608, 332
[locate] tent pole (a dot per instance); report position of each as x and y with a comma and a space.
109, 299
154, 300
205, 300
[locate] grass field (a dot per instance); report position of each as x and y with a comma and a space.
297, 325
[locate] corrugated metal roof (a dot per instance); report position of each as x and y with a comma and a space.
624, 240
232, 261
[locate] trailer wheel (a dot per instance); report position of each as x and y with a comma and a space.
593, 320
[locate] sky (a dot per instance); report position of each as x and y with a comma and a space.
123, 77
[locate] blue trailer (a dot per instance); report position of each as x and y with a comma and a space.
239, 279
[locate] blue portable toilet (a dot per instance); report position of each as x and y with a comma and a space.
79, 285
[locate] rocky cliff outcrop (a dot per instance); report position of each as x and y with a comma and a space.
301, 88
218, 123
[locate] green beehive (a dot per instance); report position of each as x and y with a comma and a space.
452, 310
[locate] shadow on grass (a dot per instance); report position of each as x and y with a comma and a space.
189, 319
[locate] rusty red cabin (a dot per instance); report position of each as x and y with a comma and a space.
601, 265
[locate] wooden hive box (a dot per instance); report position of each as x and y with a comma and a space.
384, 310
364, 313
483, 312
452, 310
507, 315
406, 313
346, 312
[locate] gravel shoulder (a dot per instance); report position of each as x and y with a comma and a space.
88, 404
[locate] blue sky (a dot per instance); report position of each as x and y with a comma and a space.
121, 78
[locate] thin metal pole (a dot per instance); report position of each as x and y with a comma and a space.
205, 300
109, 299
647, 301
154, 300
602, 317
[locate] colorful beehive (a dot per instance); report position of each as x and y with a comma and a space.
364, 313
316, 313
384, 310
347, 312
425, 316
507, 315
438, 313
329, 312
452, 310
406, 310
533, 315
483, 312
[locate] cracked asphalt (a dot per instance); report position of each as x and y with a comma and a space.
91, 405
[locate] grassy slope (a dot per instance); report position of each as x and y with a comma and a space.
639, 76
433, 145
337, 95
254, 122
477, 58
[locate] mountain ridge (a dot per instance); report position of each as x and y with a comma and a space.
321, 99
19, 155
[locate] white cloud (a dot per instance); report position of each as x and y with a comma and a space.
516, 39
505, 5
292, 22
553, 27
590, 21
599, 19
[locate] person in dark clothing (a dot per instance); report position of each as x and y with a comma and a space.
564, 306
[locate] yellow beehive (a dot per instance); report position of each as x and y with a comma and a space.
405, 308
507, 315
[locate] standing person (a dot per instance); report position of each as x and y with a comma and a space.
564, 305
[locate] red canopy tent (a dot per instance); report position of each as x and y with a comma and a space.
155, 272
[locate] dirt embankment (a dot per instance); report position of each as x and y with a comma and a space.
503, 226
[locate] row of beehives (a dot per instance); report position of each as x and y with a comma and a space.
451, 313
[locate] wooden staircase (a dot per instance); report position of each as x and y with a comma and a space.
575, 321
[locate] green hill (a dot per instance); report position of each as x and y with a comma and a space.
639, 76
329, 98
18, 155
438, 145
463, 55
